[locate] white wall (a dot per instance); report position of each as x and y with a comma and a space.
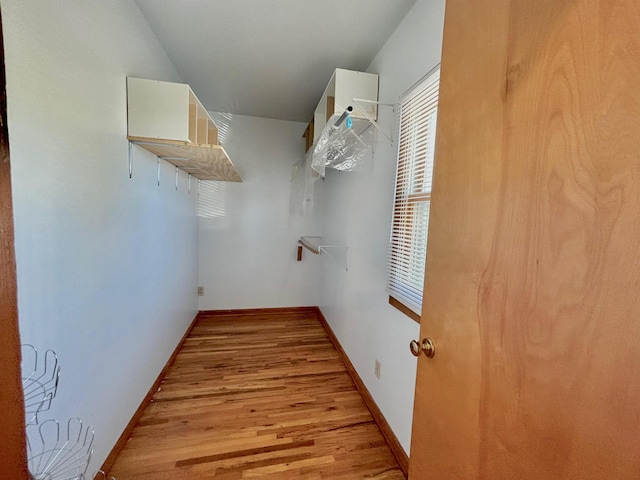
107, 265
357, 210
248, 257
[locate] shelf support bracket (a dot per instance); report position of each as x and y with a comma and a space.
315, 246
130, 159
358, 103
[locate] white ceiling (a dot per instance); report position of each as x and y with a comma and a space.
269, 58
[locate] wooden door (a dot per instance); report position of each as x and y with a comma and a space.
532, 290
13, 462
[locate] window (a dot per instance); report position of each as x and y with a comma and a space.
211, 196
416, 144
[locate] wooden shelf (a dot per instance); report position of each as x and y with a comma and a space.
311, 243
206, 162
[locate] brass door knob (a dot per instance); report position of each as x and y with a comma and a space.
427, 346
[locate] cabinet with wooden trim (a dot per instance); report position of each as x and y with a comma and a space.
168, 120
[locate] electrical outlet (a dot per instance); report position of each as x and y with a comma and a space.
376, 369
201, 291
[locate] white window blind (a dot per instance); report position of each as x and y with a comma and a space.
418, 112
211, 199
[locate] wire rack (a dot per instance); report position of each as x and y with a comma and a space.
99, 475
59, 453
40, 378
54, 451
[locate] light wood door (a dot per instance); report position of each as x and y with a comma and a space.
532, 291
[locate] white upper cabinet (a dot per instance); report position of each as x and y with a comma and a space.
168, 111
345, 86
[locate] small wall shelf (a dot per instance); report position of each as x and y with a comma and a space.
318, 245
168, 120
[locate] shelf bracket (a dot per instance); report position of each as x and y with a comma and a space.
358, 103
130, 159
315, 246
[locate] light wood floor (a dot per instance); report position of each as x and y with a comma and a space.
261, 396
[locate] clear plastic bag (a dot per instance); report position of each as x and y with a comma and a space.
303, 179
344, 147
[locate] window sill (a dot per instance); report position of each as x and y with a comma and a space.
404, 309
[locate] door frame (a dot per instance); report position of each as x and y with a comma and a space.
13, 454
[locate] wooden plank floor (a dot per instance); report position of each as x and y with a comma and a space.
261, 396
